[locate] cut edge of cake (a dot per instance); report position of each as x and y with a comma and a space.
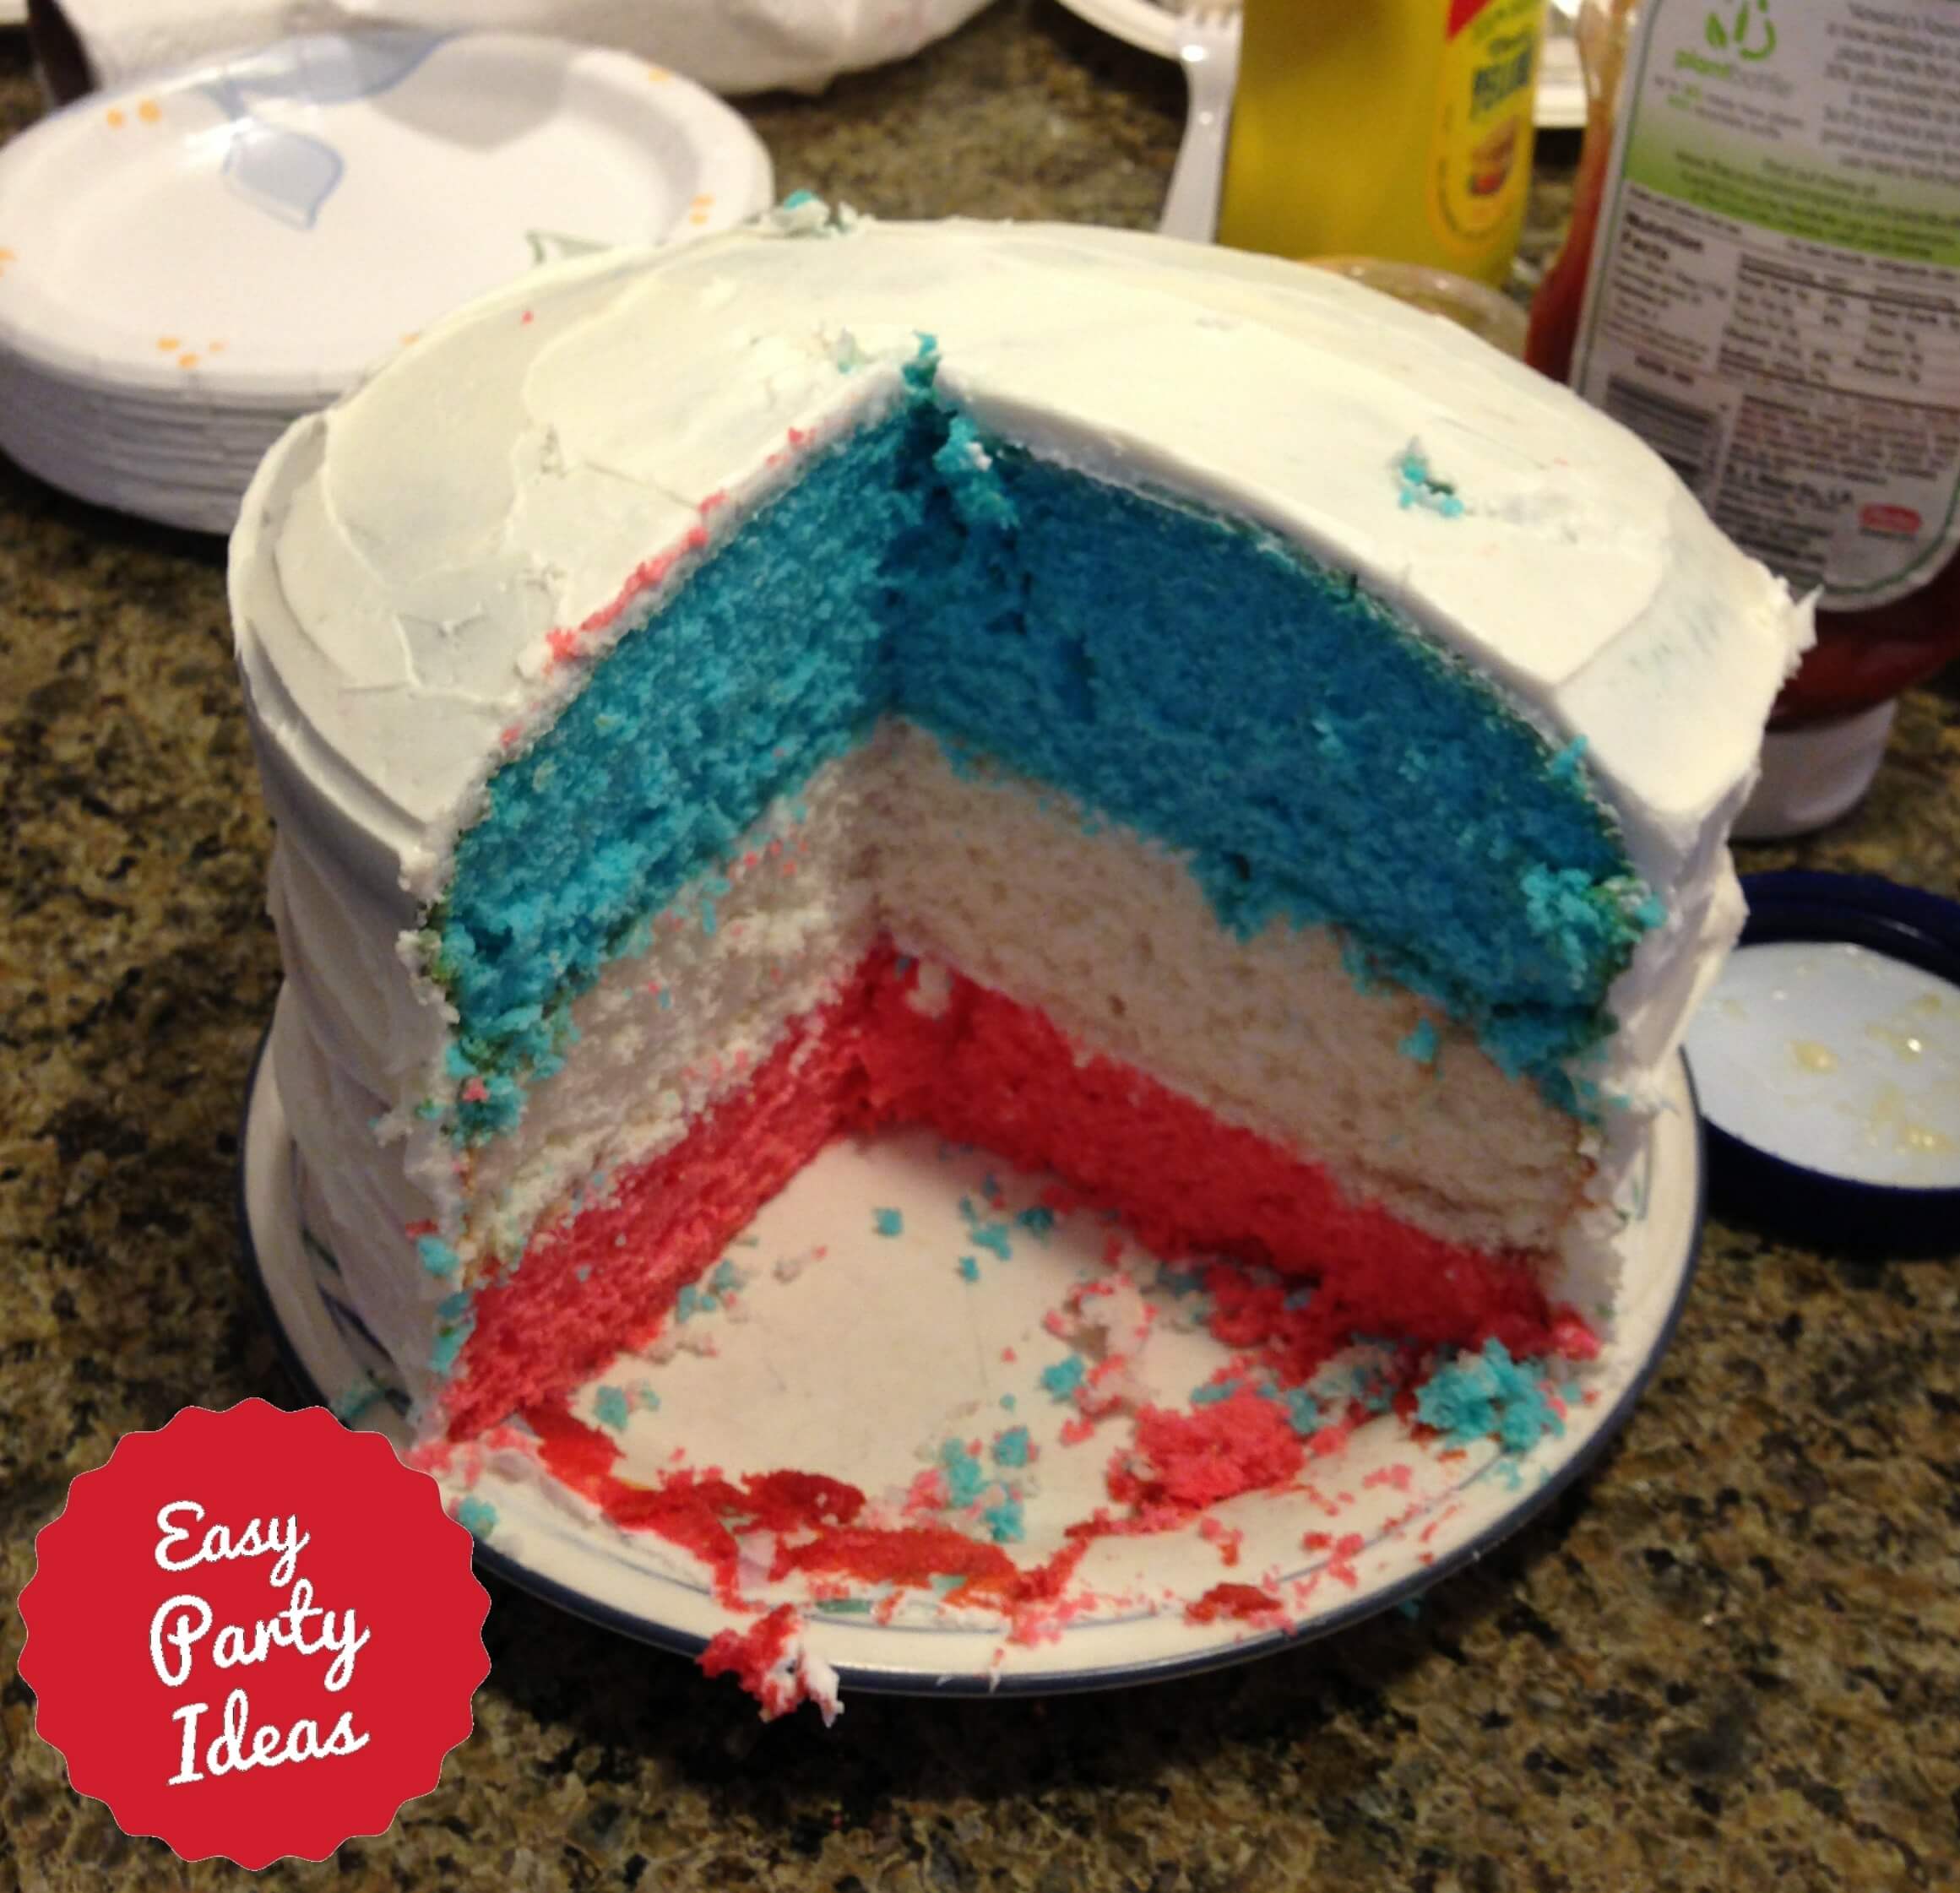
330, 895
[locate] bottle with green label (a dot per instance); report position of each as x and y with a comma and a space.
1763, 279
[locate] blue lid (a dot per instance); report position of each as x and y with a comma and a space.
1826, 1059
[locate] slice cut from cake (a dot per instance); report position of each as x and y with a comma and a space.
1171, 717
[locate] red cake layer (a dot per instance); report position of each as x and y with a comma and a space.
986, 1070
990, 1071
584, 1293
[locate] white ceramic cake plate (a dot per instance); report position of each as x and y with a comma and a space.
1152, 26
861, 1362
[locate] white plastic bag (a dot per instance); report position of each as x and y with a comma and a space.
730, 45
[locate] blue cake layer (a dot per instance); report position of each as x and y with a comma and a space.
1203, 682
774, 659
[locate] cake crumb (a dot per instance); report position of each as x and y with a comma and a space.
768, 1660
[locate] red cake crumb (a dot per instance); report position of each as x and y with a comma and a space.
1572, 1335
763, 1659
749, 1655
812, 1520
697, 1510
1229, 1539
1247, 1602
1188, 1461
643, 578
1341, 1565
1435, 1524
911, 1558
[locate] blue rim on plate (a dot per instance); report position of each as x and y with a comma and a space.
1907, 923
872, 1680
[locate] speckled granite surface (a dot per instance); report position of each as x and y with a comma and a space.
1731, 1659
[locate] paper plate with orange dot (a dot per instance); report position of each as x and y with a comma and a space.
243, 239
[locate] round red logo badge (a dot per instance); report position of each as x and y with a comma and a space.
253, 1634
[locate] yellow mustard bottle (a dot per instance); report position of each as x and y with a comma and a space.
1395, 128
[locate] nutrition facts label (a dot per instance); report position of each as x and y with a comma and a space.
1776, 307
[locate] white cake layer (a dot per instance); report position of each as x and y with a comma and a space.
754, 943
1109, 934
1102, 929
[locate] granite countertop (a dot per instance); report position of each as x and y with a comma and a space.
1730, 1656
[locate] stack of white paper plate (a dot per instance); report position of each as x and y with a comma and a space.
188, 264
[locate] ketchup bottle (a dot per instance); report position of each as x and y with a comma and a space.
1762, 278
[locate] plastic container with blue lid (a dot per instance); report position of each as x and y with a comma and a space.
1827, 1062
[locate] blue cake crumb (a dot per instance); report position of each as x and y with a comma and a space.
1489, 1396
889, 1222
1004, 1523
477, 1516
1011, 1447
970, 1270
612, 1408
439, 1258
354, 1399
448, 1341
1062, 1377
1422, 1043
1304, 1412
1420, 486
964, 1478
995, 1237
